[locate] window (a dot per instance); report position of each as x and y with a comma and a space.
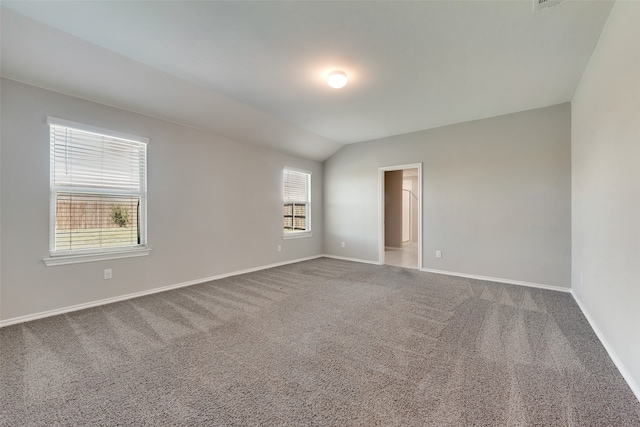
98, 204
297, 203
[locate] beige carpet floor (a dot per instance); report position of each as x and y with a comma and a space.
322, 342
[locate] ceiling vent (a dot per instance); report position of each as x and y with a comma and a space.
543, 4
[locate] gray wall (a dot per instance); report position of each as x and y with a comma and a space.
215, 206
606, 187
393, 209
496, 196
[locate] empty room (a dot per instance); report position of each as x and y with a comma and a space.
371, 213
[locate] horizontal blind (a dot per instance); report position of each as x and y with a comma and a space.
98, 189
296, 186
86, 160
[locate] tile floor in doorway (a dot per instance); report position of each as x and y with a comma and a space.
405, 257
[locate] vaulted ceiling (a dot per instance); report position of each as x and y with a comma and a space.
255, 71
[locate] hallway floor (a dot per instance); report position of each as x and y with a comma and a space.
405, 257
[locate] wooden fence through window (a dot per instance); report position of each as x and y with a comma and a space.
93, 211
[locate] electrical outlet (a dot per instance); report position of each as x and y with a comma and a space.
344, 244
108, 274
438, 254
279, 248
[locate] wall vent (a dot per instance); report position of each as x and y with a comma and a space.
543, 4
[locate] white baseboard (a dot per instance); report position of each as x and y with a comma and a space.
344, 258
499, 280
635, 387
97, 303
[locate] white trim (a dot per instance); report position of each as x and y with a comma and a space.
297, 235
95, 256
97, 130
55, 312
635, 387
344, 258
381, 242
308, 172
499, 280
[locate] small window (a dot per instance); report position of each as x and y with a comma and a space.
98, 190
297, 203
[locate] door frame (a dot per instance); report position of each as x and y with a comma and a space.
381, 199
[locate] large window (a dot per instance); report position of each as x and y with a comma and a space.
297, 203
98, 191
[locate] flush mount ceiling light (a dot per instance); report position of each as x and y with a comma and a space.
337, 79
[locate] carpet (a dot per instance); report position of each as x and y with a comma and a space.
320, 342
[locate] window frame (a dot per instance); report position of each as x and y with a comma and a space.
62, 257
294, 234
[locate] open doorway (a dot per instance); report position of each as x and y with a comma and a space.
400, 215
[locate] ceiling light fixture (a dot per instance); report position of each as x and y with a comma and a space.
337, 79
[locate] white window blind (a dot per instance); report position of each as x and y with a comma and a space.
98, 189
296, 186
297, 200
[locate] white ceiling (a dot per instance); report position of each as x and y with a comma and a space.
255, 71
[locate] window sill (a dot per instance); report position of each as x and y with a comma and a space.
297, 235
75, 259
